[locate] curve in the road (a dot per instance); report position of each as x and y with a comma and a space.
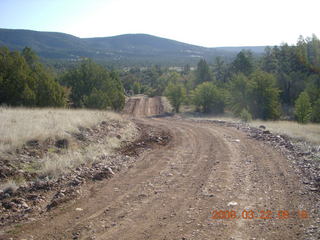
171, 191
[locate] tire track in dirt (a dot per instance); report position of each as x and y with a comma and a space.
171, 191
143, 106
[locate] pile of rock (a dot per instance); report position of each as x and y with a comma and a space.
304, 155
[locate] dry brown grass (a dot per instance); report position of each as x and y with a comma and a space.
9, 186
19, 125
56, 164
308, 132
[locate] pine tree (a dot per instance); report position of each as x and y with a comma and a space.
24, 81
86, 77
243, 63
203, 72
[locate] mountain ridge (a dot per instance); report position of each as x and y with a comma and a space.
125, 49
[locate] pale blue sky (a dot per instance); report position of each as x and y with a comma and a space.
209, 23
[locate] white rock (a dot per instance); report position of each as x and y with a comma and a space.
24, 205
79, 209
110, 170
232, 203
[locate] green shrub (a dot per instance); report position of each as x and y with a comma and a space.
209, 98
93, 86
303, 109
24, 81
96, 100
176, 94
245, 115
136, 88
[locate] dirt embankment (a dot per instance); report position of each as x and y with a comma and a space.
42, 193
209, 181
144, 106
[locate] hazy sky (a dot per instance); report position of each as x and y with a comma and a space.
209, 23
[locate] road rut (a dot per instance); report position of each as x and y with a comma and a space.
171, 191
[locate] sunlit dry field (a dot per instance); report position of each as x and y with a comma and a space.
20, 125
308, 132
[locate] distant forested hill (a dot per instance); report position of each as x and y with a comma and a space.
125, 50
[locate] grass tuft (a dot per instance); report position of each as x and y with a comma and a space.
9, 187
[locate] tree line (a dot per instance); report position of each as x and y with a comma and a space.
25, 81
284, 83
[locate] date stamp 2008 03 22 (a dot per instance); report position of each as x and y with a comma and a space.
263, 214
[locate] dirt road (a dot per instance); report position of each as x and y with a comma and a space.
171, 191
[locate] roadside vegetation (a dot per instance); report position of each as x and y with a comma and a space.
282, 84
25, 81
49, 142
19, 125
309, 132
